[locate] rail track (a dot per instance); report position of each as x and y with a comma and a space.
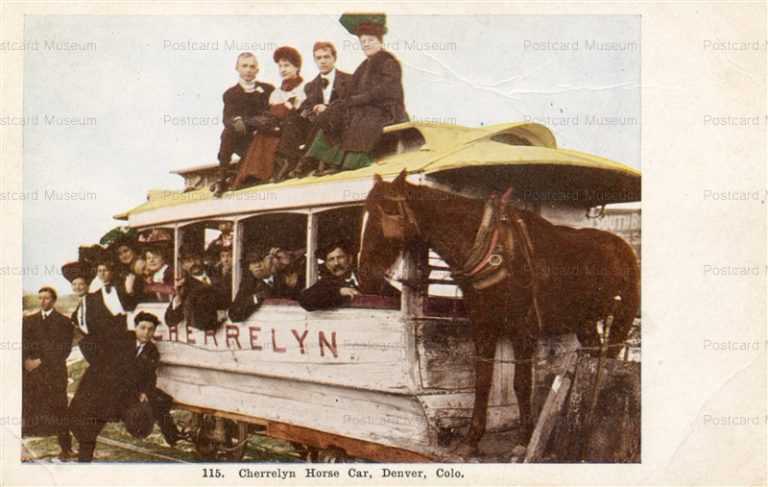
29, 454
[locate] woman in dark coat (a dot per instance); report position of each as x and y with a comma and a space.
108, 383
375, 100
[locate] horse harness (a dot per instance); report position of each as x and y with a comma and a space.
492, 253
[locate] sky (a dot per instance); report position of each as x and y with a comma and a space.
112, 104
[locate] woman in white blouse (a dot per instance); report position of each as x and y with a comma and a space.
267, 146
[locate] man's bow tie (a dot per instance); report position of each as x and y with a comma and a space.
324, 81
108, 288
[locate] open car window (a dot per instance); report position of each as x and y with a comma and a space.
284, 235
346, 224
154, 267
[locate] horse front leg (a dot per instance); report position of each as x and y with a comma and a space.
485, 350
524, 349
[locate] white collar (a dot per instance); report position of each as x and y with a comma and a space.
202, 277
46, 314
160, 274
247, 86
112, 301
96, 284
330, 75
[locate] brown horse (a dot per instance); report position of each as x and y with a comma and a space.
519, 274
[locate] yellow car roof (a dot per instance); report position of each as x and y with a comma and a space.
451, 150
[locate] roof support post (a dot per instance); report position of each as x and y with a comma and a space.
311, 248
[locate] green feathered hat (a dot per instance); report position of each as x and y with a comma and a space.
359, 24
118, 235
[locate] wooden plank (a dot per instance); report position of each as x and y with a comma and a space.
361, 348
502, 384
454, 411
552, 356
612, 435
446, 354
351, 446
388, 419
551, 412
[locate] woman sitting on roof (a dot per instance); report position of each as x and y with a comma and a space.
353, 126
270, 140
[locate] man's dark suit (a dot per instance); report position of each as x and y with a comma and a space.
314, 90
324, 294
244, 304
145, 367
200, 304
108, 381
238, 103
283, 290
224, 279
44, 397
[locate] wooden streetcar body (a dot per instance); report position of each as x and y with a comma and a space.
381, 381
361, 374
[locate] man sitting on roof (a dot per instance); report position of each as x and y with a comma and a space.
329, 86
338, 284
243, 103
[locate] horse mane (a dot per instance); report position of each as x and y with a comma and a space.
450, 202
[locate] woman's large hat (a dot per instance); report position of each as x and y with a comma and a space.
360, 24
89, 256
118, 235
75, 270
256, 252
288, 53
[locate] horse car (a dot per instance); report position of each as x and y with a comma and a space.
383, 378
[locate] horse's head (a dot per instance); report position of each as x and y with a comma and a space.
389, 226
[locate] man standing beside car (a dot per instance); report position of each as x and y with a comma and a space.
46, 344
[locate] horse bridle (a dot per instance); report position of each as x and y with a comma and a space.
397, 226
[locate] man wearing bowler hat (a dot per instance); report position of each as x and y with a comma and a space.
198, 296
